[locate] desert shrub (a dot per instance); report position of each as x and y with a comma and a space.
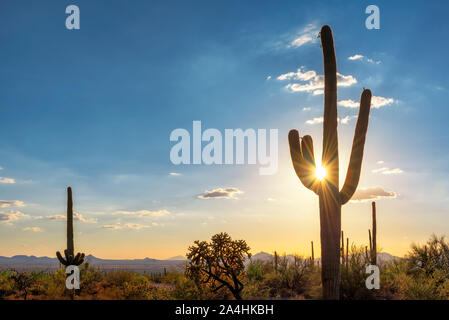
353, 276
254, 270
6, 284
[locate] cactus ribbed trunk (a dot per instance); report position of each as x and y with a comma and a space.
329, 194
330, 223
70, 246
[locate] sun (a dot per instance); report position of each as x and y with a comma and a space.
320, 172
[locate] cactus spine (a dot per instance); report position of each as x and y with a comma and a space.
330, 198
70, 258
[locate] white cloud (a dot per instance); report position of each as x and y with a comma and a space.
7, 180
33, 229
379, 170
8, 216
143, 213
368, 194
298, 75
380, 162
361, 57
376, 102
312, 82
57, 217
11, 203
111, 226
220, 193
356, 57
306, 109
271, 199
393, 171
269, 77
308, 34
174, 174
1, 168
315, 120
76, 216
136, 226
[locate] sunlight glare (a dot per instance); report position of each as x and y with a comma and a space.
320, 172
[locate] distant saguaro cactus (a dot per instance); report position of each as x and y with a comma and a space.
70, 258
373, 239
330, 198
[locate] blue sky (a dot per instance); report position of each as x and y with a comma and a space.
94, 108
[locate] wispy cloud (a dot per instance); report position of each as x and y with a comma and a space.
8, 216
7, 180
220, 193
76, 216
174, 174
111, 226
143, 213
376, 102
33, 229
269, 77
11, 203
375, 193
356, 57
136, 226
133, 226
311, 81
318, 120
315, 120
386, 170
363, 58
306, 109
307, 35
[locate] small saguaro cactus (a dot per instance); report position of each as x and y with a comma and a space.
313, 254
331, 198
373, 238
70, 258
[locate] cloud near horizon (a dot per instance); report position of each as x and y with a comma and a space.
7, 180
143, 213
374, 193
33, 229
220, 193
11, 203
76, 216
8, 216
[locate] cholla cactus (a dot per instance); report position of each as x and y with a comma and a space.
331, 198
70, 258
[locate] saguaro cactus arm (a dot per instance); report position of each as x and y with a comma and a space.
303, 159
358, 144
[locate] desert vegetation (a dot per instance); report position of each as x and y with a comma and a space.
422, 274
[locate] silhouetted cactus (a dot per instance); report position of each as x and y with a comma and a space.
330, 198
313, 255
70, 258
373, 239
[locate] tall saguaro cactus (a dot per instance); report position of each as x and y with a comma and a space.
70, 258
330, 197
